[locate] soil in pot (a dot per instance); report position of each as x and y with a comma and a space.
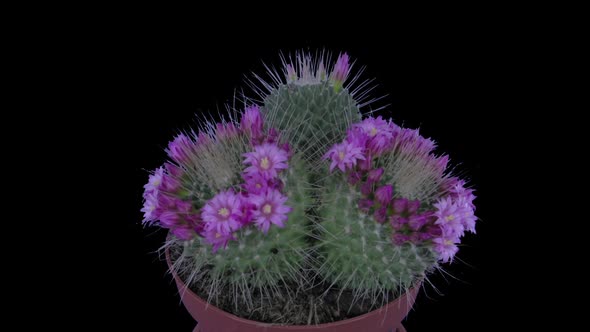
311, 306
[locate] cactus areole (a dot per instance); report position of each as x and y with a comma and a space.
299, 211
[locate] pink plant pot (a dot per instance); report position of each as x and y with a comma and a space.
212, 319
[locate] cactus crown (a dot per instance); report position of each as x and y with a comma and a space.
301, 192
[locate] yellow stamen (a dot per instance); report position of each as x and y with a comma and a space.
258, 186
264, 163
373, 131
224, 212
341, 155
217, 235
450, 218
267, 209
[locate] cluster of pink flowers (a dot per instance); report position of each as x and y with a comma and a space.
258, 200
455, 214
162, 202
372, 138
441, 225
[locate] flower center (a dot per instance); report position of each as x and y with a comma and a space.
448, 242
373, 131
265, 163
224, 212
217, 235
341, 155
267, 209
258, 186
450, 218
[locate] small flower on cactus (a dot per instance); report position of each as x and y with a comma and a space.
223, 213
217, 239
384, 194
180, 149
154, 181
252, 123
446, 248
266, 160
344, 156
378, 134
340, 72
270, 209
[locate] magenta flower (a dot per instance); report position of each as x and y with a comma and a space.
344, 155
173, 170
354, 178
432, 231
381, 215
409, 141
412, 206
384, 194
287, 148
366, 188
441, 164
449, 217
251, 122
248, 209
446, 249
459, 192
367, 164
468, 217
150, 206
379, 132
217, 239
400, 205
254, 183
165, 202
184, 232
222, 213
341, 69
400, 238
151, 196
405, 218
180, 149
375, 175
169, 184
183, 207
266, 160
365, 204
169, 219
398, 222
270, 209
154, 181
357, 137
272, 137
417, 221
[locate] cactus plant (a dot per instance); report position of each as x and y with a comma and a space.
301, 193
311, 106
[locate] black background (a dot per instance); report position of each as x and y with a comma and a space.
157, 81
